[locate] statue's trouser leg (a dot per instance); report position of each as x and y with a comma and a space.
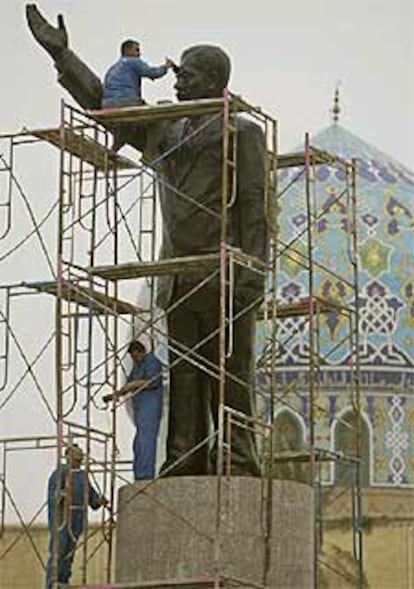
239, 395
192, 390
189, 397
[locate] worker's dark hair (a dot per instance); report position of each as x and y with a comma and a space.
211, 60
72, 447
136, 346
127, 44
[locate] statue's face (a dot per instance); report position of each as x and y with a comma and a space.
192, 82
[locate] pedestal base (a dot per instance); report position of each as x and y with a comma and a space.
166, 533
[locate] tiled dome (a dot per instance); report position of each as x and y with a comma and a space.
386, 259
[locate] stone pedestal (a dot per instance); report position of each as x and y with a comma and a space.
166, 533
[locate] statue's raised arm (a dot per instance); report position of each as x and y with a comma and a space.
74, 75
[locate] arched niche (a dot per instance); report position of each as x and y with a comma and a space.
289, 433
345, 441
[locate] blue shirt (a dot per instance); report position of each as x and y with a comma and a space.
122, 83
72, 483
150, 368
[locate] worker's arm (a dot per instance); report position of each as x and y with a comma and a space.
51, 496
149, 71
129, 387
153, 372
95, 500
56, 478
152, 380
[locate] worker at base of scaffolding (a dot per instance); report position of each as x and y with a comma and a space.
145, 381
67, 505
123, 81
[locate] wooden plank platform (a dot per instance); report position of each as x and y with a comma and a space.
317, 157
182, 265
81, 295
167, 111
321, 455
302, 307
85, 148
196, 583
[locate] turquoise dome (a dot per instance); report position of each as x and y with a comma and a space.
385, 226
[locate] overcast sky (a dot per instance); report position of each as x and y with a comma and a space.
287, 57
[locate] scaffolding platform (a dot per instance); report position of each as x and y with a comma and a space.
184, 264
316, 157
319, 455
181, 265
100, 303
168, 111
225, 582
84, 147
302, 308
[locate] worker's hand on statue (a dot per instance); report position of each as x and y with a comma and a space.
53, 39
171, 64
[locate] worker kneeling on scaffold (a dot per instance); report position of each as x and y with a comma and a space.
122, 84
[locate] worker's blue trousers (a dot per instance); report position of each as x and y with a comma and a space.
67, 544
147, 416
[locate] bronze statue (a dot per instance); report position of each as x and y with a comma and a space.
191, 226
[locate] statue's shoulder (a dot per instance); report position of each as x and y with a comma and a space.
247, 126
161, 136
174, 130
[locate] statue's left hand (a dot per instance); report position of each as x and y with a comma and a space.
53, 39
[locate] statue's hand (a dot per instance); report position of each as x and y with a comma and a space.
53, 39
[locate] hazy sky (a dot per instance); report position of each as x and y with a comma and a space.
287, 57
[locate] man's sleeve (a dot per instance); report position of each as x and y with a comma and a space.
250, 210
94, 498
130, 376
153, 372
51, 488
148, 71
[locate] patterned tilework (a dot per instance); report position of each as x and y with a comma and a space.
390, 425
386, 256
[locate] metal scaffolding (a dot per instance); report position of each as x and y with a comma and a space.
107, 236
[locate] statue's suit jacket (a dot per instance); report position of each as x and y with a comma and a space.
190, 176
192, 173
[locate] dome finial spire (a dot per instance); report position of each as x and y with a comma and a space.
336, 111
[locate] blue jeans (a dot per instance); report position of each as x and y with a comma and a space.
67, 544
147, 416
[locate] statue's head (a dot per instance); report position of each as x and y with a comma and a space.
204, 72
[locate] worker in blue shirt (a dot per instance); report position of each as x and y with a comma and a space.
122, 82
145, 381
69, 510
